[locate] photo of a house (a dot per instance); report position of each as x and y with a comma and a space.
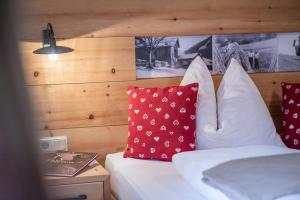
170, 56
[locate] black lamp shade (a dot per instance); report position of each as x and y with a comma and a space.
53, 50
49, 43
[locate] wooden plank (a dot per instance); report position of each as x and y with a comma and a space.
159, 17
105, 104
102, 140
94, 60
90, 104
115, 6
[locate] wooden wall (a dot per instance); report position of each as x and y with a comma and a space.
83, 94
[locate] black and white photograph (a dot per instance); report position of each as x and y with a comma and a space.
170, 56
255, 52
261, 52
289, 52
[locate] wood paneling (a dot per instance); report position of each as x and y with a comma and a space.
101, 18
70, 107
83, 94
105, 104
89, 104
94, 60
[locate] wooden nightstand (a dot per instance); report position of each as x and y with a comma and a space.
92, 184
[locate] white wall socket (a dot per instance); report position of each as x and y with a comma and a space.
56, 143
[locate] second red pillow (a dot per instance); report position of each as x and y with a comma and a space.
161, 121
290, 133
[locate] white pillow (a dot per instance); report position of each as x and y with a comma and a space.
243, 117
206, 117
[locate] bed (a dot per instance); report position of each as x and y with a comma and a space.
134, 179
239, 155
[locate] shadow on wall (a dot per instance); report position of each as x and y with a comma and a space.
275, 108
90, 18
103, 18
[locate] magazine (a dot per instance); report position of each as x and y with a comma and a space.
64, 163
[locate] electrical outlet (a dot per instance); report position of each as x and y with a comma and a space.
56, 143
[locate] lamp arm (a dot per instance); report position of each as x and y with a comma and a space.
49, 27
51, 35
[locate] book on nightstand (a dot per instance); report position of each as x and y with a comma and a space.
64, 163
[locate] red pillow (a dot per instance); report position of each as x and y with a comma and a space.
161, 121
290, 133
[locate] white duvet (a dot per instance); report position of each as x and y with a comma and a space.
191, 165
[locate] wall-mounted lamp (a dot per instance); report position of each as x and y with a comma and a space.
49, 45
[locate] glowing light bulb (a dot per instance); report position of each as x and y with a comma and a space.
53, 57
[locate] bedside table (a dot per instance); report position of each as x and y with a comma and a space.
91, 183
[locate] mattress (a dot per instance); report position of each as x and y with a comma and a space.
134, 179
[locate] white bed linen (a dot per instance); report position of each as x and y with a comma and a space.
133, 179
206, 113
191, 165
243, 117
